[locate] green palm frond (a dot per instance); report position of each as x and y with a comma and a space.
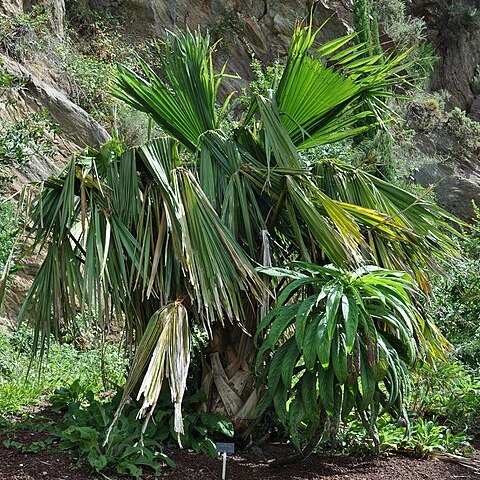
323, 96
219, 269
410, 233
184, 102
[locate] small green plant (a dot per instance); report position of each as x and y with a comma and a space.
88, 78
8, 81
462, 19
128, 450
227, 28
22, 140
266, 77
408, 32
421, 438
33, 447
63, 397
466, 130
23, 35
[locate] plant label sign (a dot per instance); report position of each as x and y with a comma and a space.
227, 448
223, 449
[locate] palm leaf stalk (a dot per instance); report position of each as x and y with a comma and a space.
170, 234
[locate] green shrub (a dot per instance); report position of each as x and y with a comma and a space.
8, 81
22, 140
449, 392
340, 343
88, 78
465, 130
23, 35
408, 32
462, 19
227, 28
456, 305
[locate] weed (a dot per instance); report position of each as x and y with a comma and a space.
33, 447
227, 29
8, 81
88, 78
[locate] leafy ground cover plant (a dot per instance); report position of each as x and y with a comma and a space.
450, 392
421, 438
130, 448
18, 387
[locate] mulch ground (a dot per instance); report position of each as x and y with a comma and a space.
53, 464
317, 467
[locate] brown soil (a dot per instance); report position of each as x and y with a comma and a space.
55, 465
52, 464
316, 467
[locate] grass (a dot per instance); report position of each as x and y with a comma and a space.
21, 386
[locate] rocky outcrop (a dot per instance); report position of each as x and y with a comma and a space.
259, 27
57, 13
446, 151
74, 122
454, 30
77, 129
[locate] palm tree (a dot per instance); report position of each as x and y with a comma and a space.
171, 234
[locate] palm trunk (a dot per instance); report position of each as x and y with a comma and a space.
228, 380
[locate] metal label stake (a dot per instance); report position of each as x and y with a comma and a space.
223, 449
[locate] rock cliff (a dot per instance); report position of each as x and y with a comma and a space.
262, 28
